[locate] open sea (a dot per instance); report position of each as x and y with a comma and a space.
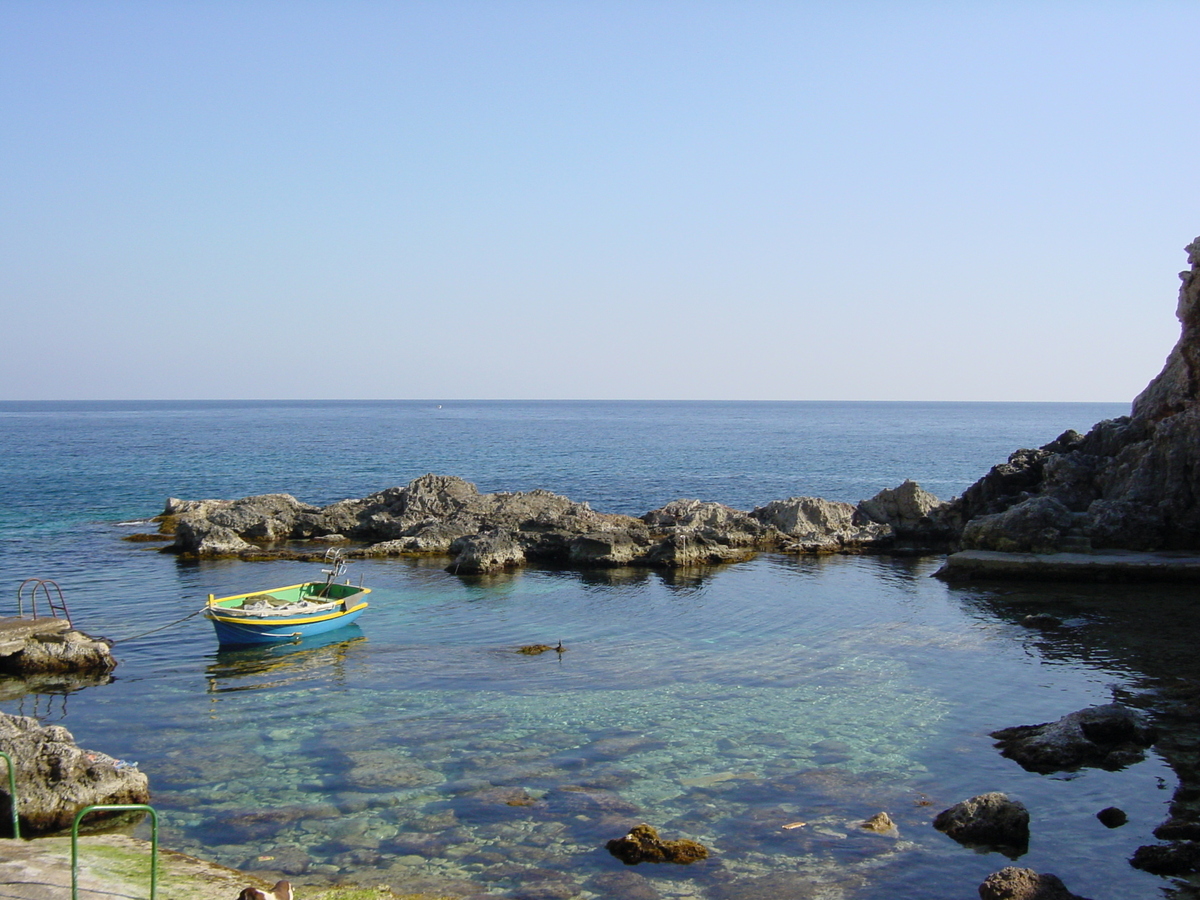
417, 749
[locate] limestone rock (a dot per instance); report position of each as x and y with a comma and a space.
442, 515
1036, 525
1107, 737
27, 650
696, 533
991, 821
1012, 883
682, 550
710, 519
1126, 524
219, 527
481, 553
428, 515
56, 778
815, 525
910, 510
607, 548
200, 537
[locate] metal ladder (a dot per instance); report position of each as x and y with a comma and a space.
56, 606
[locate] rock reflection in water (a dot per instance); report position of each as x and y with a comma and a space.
1149, 631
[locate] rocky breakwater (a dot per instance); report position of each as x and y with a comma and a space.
444, 515
1131, 483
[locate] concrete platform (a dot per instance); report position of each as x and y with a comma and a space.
1096, 565
111, 867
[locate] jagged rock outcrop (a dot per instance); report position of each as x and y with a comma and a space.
811, 524
1131, 483
56, 778
910, 511
443, 515
226, 527
486, 553
1106, 737
990, 821
694, 532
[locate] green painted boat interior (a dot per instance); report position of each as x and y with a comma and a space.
316, 592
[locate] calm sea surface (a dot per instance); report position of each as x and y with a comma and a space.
418, 749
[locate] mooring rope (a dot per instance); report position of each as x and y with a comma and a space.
160, 628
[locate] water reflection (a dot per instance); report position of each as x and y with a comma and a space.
275, 666
45, 696
1146, 635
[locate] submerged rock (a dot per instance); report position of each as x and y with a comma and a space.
538, 649
1106, 737
642, 844
625, 884
881, 823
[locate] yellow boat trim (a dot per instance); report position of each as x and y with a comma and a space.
214, 600
266, 620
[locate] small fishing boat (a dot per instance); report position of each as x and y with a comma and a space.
288, 613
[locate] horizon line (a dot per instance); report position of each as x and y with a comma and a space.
444, 400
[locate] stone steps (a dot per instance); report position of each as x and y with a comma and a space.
1075, 539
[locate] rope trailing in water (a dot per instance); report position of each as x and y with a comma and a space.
162, 628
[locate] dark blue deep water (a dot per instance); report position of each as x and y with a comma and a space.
417, 749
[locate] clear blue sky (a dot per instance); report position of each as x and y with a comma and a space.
965, 200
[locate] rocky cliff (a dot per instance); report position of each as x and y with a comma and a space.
1130, 483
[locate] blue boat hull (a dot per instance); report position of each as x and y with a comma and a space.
260, 632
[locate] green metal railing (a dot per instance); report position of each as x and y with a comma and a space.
115, 808
12, 793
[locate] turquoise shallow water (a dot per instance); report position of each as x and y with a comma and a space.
418, 748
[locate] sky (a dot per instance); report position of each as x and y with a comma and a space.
843, 200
